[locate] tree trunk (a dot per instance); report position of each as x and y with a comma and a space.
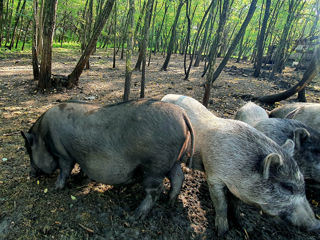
152, 33
130, 38
35, 63
63, 27
173, 36
147, 20
214, 50
240, 49
187, 41
166, 6
45, 82
261, 39
73, 78
139, 22
308, 76
302, 93
23, 29
8, 20
1, 21
205, 37
19, 13
114, 35
25, 34
279, 57
212, 77
89, 19
140, 56
211, 6
40, 27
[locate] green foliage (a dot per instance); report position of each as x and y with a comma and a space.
69, 23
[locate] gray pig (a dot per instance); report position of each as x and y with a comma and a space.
251, 113
111, 143
283, 111
306, 139
250, 165
308, 114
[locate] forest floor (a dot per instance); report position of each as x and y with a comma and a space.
32, 209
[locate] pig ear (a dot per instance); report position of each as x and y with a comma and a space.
28, 137
288, 146
300, 135
272, 158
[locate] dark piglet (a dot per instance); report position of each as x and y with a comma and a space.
112, 143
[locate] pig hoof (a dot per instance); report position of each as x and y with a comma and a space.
222, 226
59, 185
172, 201
139, 214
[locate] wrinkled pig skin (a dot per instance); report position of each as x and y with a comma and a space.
112, 143
250, 165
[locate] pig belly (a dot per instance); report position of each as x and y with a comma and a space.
111, 173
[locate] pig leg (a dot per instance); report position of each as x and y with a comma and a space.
217, 194
153, 187
176, 179
65, 170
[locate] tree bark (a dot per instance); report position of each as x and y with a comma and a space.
211, 6
147, 20
89, 19
45, 82
1, 21
19, 13
308, 76
140, 56
240, 49
205, 37
35, 63
130, 38
214, 50
279, 57
302, 93
166, 6
73, 78
212, 77
261, 39
25, 34
152, 33
40, 27
114, 35
172, 38
8, 20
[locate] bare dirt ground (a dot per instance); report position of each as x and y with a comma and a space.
32, 209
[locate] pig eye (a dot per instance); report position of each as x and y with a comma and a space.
287, 188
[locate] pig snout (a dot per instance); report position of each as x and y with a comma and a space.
301, 215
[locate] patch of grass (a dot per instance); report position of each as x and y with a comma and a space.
6, 53
67, 45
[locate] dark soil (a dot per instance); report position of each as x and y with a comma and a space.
32, 209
